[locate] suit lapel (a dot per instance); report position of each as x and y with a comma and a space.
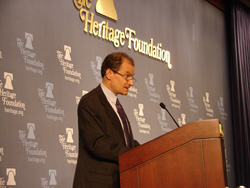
110, 112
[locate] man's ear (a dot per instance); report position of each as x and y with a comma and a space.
108, 74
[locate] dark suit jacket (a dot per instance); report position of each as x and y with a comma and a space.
101, 140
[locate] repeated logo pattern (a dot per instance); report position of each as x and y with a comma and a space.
9, 98
207, 105
143, 126
42, 79
96, 68
26, 49
68, 146
50, 105
191, 100
154, 96
31, 147
70, 74
175, 102
50, 181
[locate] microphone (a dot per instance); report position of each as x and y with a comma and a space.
164, 107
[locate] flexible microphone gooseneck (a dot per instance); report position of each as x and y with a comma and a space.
164, 107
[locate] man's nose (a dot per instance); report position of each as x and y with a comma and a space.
131, 82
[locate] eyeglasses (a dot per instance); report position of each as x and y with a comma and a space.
125, 76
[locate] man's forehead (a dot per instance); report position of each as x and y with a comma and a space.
127, 69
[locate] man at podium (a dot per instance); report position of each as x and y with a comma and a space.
104, 129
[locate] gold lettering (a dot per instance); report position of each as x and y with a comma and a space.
95, 27
136, 44
122, 38
159, 51
142, 47
129, 33
118, 37
163, 55
79, 3
82, 3
88, 5
154, 51
86, 19
150, 48
111, 34
106, 30
100, 30
168, 59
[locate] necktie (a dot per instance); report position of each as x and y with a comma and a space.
124, 122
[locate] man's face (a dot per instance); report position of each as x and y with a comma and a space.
118, 83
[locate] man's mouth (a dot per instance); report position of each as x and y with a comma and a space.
126, 88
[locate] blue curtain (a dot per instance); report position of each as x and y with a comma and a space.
240, 82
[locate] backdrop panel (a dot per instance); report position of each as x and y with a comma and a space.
51, 53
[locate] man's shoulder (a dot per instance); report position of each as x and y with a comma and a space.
92, 96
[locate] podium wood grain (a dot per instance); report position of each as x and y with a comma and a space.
189, 156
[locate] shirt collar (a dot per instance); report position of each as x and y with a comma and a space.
109, 94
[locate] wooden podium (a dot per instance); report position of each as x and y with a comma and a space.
191, 156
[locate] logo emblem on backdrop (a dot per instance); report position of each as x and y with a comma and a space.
52, 179
1, 154
228, 165
163, 115
209, 110
31, 128
172, 83
182, 120
11, 173
70, 74
69, 132
96, 68
67, 50
141, 106
163, 121
133, 92
49, 87
1, 54
151, 77
51, 109
28, 139
29, 39
190, 96
175, 102
8, 80
52, 174
143, 126
84, 92
149, 82
67, 143
9, 98
106, 8
222, 108
207, 97
191, 91
26, 49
